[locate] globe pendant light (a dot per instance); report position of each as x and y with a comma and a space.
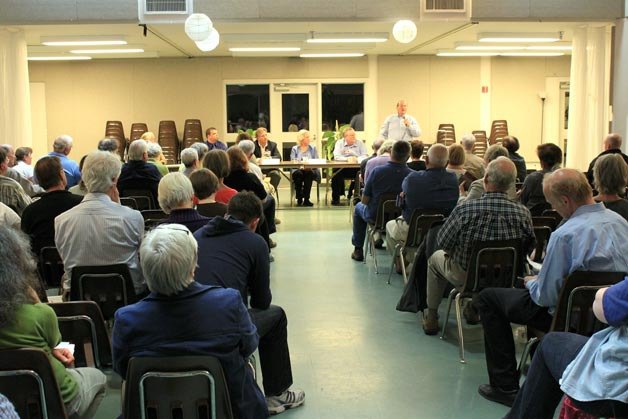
404, 31
198, 27
210, 43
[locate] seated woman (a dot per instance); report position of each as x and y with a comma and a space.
176, 198
182, 317
457, 158
416, 152
610, 177
531, 195
303, 178
218, 162
205, 184
27, 323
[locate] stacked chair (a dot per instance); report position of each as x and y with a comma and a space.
446, 134
480, 146
192, 132
169, 141
114, 129
137, 130
499, 130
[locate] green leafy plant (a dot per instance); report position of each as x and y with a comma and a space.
249, 131
330, 138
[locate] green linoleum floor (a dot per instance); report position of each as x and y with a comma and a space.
352, 352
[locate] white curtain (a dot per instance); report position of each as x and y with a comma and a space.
588, 95
15, 102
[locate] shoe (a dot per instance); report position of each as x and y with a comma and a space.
277, 221
271, 258
430, 324
272, 244
357, 254
287, 400
299, 202
379, 243
335, 202
470, 314
307, 203
497, 395
356, 200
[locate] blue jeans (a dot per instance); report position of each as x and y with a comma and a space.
360, 221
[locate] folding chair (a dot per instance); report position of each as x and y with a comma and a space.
387, 210
50, 266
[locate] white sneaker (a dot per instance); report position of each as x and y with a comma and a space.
286, 400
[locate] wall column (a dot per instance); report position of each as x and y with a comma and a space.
620, 79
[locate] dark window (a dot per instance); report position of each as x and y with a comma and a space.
295, 111
248, 106
342, 103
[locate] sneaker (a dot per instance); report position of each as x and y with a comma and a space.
286, 400
470, 314
357, 254
430, 324
307, 203
498, 395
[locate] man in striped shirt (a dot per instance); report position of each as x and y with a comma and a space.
11, 193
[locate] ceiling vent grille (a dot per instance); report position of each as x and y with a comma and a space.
164, 11
445, 9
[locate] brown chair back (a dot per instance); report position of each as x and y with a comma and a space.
169, 141
446, 134
192, 132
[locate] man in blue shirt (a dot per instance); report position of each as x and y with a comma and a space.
347, 148
212, 140
400, 125
61, 148
592, 238
383, 179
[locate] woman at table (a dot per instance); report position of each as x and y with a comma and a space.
302, 178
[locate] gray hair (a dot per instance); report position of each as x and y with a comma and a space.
189, 156
108, 144
495, 151
153, 150
168, 255
247, 146
175, 190
610, 174
137, 149
567, 182
468, 141
377, 144
438, 156
301, 135
501, 173
613, 140
61, 143
201, 148
100, 171
386, 147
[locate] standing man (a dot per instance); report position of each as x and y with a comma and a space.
212, 140
400, 125
61, 148
348, 147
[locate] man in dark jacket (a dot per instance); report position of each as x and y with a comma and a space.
612, 145
233, 256
137, 173
264, 148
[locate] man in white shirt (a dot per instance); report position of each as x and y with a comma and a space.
347, 148
400, 125
24, 160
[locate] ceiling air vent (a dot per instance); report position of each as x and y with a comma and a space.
164, 11
445, 9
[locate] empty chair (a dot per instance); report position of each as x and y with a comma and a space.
50, 266
183, 387
143, 198
446, 134
542, 235
129, 202
169, 141
545, 222
192, 132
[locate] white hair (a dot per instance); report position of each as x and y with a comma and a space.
100, 171
201, 148
467, 141
153, 150
247, 146
137, 149
175, 190
501, 173
62, 142
438, 155
189, 156
168, 255
386, 147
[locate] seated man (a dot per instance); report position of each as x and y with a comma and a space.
592, 370
189, 159
612, 145
492, 217
154, 152
27, 185
232, 255
182, 317
476, 189
61, 147
264, 148
176, 198
416, 154
511, 144
384, 179
38, 219
100, 231
383, 156
23, 162
213, 142
108, 144
11, 193
473, 164
550, 157
137, 174
592, 238
347, 148
433, 188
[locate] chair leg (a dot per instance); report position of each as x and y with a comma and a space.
459, 321
526, 353
450, 299
392, 265
374, 252
367, 243
403, 265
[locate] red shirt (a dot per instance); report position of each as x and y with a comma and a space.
224, 194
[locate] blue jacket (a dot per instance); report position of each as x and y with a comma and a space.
200, 320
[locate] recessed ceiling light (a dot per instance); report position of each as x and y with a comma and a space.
519, 37
265, 49
97, 40
333, 55
108, 51
59, 58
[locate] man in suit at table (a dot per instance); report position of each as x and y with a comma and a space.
266, 148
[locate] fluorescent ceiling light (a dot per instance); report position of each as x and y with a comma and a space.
532, 54
489, 47
550, 48
333, 55
82, 40
519, 37
60, 58
265, 49
345, 38
108, 51
467, 54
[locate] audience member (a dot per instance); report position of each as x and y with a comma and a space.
248, 147
137, 174
383, 157
24, 160
38, 219
153, 150
243, 135
384, 179
11, 193
213, 142
400, 125
61, 148
551, 157
201, 148
27, 323
610, 177
108, 144
231, 255
149, 137
182, 317
612, 145
100, 231
176, 198
189, 158
8, 217
476, 190
473, 164
27, 185
511, 144
590, 370
377, 144
491, 217
218, 162
349, 148
593, 238
303, 177
7, 410
79, 188
433, 188
264, 148
416, 153
456, 160
205, 185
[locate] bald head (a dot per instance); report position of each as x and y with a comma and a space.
500, 176
612, 141
566, 190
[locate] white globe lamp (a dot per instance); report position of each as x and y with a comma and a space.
198, 26
404, 31
210, 43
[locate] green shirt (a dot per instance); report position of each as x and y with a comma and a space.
35, 326
162, 168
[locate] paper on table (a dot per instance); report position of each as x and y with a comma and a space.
269, 161
536, 267
315, 161
66, 345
